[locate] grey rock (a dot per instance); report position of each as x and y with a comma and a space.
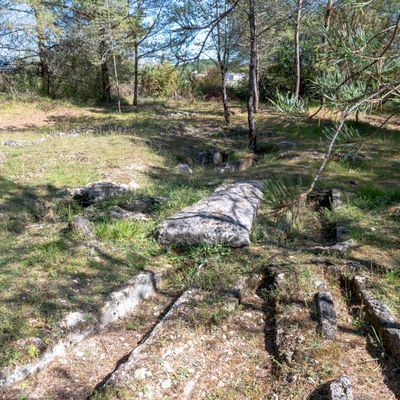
326, 314
377, 311
144, 203
98, 191
236, 166
391, 340
210, 157
287, 143
379, 315
82, 226
340, 389
341, 232
12, 143
341, 246
226, 216
120, 213
184, 168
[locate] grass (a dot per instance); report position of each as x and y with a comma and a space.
46, 272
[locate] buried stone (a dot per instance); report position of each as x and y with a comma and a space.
236, 166
326, 314
226, 217
98, 191
210, 157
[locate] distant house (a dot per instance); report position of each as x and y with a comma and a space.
197, 75
234, 78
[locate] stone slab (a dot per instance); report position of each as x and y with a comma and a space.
326, 314
227, 216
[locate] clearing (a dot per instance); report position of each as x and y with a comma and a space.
47, 271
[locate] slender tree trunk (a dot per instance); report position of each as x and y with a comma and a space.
136, 76
223, 64
327, 22
44, 67
297, 48
227, 114
252, 79
117, 83
257, 80
105, 75
114, 58
257, 84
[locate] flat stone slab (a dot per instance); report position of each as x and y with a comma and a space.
326, 314
340, 389
98, 191
226, 216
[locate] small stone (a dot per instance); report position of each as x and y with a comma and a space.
166, 384
184, 169
167, 367
140, 373
82, 226
340, 389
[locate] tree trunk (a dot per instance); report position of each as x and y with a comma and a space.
222, 63
257, 80
328, 17
297, 48
257, 84
44, 67
252, 79
113, 57
136, 76
227, 114
105, 75
117, 84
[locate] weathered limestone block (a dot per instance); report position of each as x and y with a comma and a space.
391, 340
341, 247
98, 191
377, 311
226, 216
326, 315
379, 315
144, 203
118, 212
340, 389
